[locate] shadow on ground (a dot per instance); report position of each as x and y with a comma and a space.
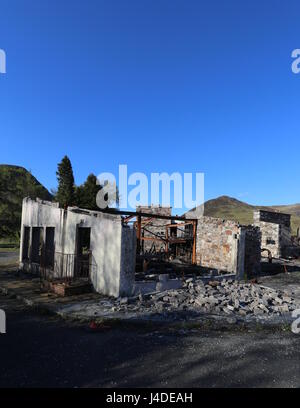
39, 351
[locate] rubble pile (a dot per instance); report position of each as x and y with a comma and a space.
226, 296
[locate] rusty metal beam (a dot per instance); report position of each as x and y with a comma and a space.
144, 223
169, 240
127, 219
179, 224
179, 240
153, 239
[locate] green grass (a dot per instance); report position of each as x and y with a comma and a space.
10, 249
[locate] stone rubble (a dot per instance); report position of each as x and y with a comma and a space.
219, 297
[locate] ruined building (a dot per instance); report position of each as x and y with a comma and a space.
220, 245
78, 243
275, 232
154, 229
227, 246
127, 253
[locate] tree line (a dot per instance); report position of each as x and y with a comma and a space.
68, 194
16, 183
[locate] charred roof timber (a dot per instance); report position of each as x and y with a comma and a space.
144, 214
131, 214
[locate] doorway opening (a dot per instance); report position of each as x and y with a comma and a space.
83, 252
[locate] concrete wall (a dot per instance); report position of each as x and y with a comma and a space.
112, 244
252, 251
127, 272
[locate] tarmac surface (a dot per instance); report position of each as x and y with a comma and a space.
42, 351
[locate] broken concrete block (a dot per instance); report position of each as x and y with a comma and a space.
163, 277
236, 303
213, 283
257, 310
283, 308
200, 300
242, 312
212, 300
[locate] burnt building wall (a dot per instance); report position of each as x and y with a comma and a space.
155, 228
252, 251
275, 231
217, 244
227, 246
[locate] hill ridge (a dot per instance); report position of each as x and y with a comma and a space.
16, 183
230, 208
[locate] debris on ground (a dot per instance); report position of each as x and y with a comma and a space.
226, 296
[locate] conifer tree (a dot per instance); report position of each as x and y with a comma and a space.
87, 192
66, 190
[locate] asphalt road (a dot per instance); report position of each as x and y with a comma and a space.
39, 351
8, 257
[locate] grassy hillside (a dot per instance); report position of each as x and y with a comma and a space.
15, 184
293, 209
229, 208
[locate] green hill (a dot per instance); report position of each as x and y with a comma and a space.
230, 208
15, 184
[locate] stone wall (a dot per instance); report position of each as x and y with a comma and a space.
217, 244
275, 231
270, 238
227, 246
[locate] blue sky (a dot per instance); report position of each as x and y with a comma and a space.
186, 86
